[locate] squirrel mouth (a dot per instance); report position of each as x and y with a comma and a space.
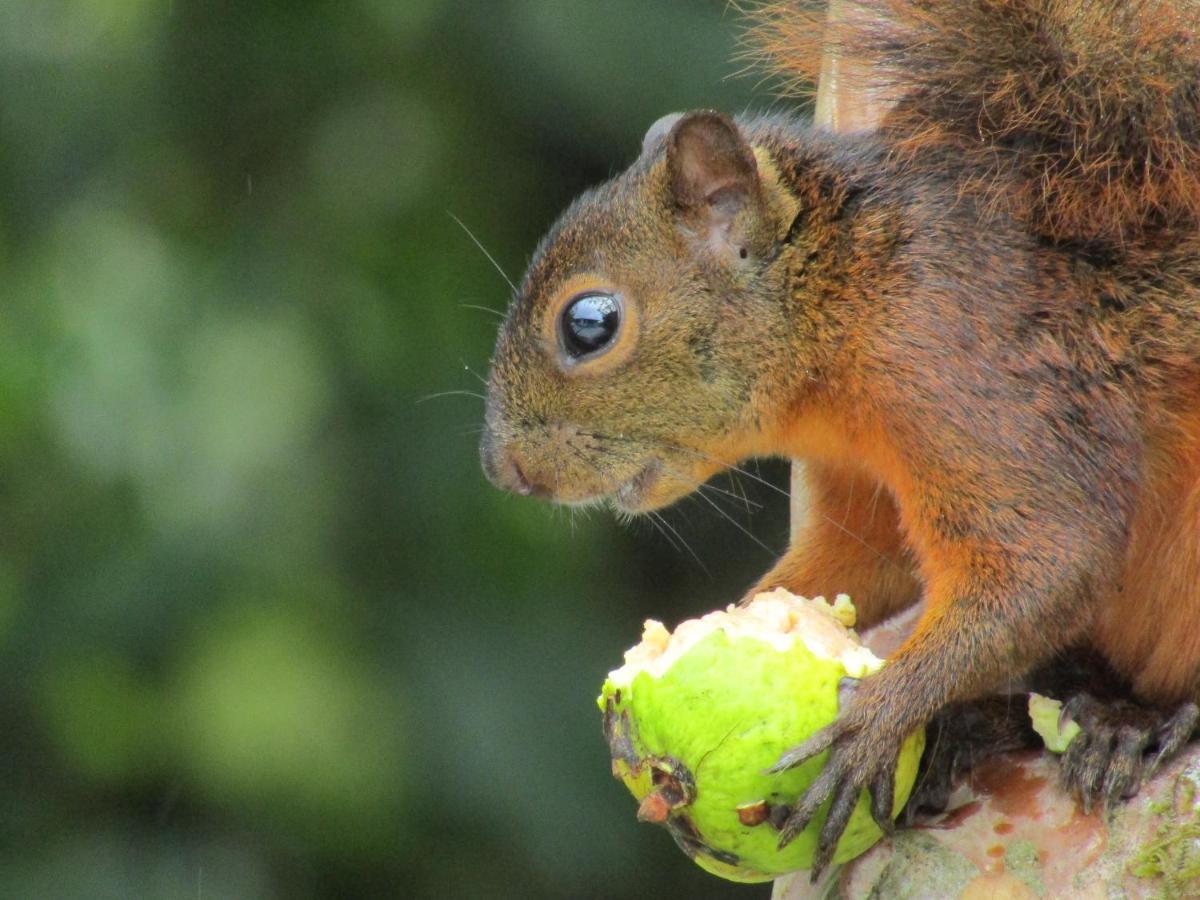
631, 494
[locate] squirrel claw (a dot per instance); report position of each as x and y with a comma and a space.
856, 763
883, 792
845, 798
1108, 760
816, 743
806, 807
1174, 733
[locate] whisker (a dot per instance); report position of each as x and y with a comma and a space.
487, 309
656, 519
474, 394
484, 251
657, 524
467, 368
738, 525
739, 490
732, 467
709, 458
885, 557
741, 498
753, 477
666, 524
763, 481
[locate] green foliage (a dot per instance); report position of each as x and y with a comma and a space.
266, 631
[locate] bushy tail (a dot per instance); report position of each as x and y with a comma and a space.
1093, 105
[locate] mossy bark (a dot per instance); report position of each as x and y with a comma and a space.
1012, 833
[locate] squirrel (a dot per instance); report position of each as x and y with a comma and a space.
978, 325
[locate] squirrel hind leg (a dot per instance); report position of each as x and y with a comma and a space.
958, 739
1122, 742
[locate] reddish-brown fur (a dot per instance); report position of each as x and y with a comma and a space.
981, 326
1013, 82
1149, 619
1002, 84
850, 542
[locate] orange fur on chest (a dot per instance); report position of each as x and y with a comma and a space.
1147, 624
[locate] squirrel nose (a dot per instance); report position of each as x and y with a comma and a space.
511, 477
503, 469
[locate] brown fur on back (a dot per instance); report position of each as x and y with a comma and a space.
1092, 104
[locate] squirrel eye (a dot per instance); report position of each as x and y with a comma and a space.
589, 323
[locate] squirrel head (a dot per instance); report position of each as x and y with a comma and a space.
633, 363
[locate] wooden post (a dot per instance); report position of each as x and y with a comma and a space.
845, 99
845, 102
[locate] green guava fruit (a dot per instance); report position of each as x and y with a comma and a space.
1046, 715
694, 719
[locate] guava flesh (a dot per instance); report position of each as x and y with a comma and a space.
1046, 715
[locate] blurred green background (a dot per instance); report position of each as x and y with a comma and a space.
266, 630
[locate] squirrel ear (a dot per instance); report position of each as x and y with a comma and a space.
709, 163
659, 130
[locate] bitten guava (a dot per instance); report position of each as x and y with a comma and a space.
695, 718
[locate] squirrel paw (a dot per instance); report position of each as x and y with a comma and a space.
858, 760
1120, 746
